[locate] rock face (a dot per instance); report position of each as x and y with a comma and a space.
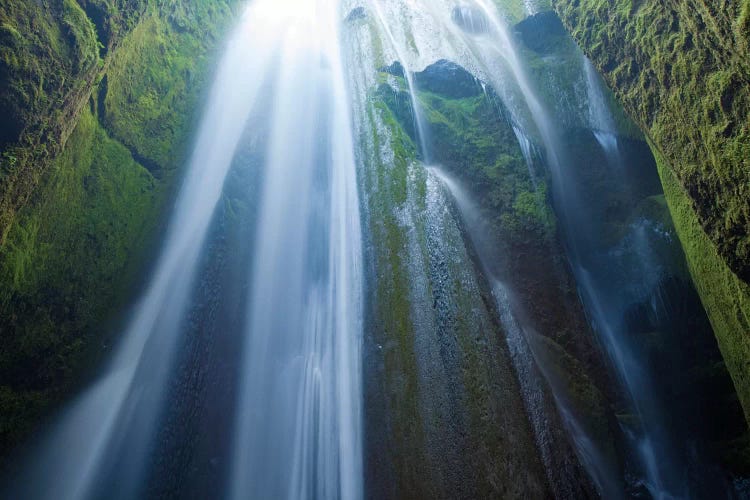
682, 71
356, 14
472, 142
97, 99
444, 414
448, 79
539, 30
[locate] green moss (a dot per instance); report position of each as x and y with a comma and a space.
65, 261
404, 152
472, 139
682, 73
743, 23
81, 30
49, 60
531, 210
149, 103
78, 207
725, 297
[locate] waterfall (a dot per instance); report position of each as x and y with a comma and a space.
477, 37
600, 117
298, 426
109, 429
488, 404
304, 332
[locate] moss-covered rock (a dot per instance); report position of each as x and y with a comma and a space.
472, 140
99, 98
682, 72
445, 417
50, 57
725, 296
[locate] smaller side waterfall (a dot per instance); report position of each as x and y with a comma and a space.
600, 117
657, 462
419, 121
104, 438
531, 371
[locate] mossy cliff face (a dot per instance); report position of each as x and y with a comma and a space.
444, 414
51, 53
428, 282
681, 71
472, 139
99, 99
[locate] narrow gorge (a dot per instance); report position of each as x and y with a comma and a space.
374, 249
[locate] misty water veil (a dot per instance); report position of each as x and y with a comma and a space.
418, 251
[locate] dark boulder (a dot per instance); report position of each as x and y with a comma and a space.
356, 14
448, 79
541, 32
395, 69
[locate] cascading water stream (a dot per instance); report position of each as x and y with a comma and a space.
419, 122
298, 426
487, 46
304, 332
105, 436
600, 117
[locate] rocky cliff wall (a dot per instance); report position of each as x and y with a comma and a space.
98, 100
682, 71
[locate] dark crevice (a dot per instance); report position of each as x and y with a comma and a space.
149, 164
98, 15
101, 114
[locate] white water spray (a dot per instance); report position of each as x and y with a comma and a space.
298, 426
600, 117
101, 444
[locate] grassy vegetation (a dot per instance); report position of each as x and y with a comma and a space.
474, 140
470, 137
681, 71
101, 97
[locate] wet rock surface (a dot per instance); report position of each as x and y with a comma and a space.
448, 79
